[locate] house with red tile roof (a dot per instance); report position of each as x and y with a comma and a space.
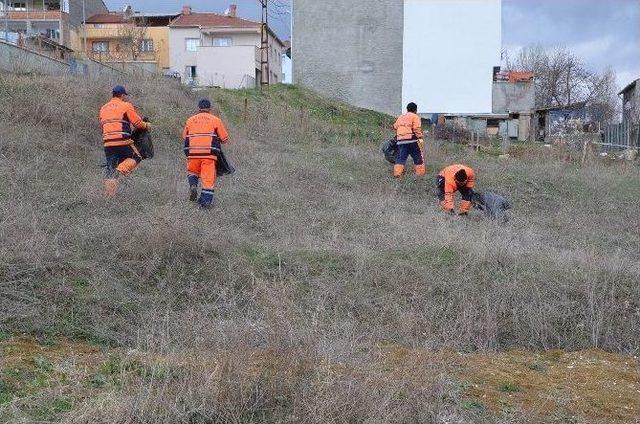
213, 50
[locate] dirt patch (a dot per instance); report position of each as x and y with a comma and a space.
593, 385
590, 385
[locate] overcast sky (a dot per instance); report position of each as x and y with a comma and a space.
603, 32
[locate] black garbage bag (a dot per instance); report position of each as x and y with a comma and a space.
143, 142
390, 150
223, 166
493, 205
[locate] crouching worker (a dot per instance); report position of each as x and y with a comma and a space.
119, 119
495, 207
456, 178
202, 136
410, 141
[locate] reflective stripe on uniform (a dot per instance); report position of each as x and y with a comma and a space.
200, 135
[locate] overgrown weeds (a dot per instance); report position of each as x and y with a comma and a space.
312, 253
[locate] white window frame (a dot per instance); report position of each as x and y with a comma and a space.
188, 43
223, 42
21, 6
147, 45
188, 74
100, 43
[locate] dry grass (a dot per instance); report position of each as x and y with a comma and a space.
313, 254
394, 384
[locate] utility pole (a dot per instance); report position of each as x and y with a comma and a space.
84, 29
264, 45
5, 10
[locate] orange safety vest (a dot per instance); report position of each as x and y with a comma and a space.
202, 134
449, 175
118, 118
408, 127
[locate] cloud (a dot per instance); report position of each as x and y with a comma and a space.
594, 48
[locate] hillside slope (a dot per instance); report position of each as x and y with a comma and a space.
315, 280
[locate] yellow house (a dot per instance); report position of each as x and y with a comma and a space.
124, 37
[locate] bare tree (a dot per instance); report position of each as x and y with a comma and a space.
130, 38
562, 79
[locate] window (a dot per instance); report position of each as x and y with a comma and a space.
18, 5
222, 42
192, 44
146, 45
190, 72
52, 34
99, 26
101, 46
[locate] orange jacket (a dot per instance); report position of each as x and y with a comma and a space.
408, 127
201, 134
450, 183
117, 118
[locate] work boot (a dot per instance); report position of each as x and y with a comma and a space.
206, 199
398, 171
193, 193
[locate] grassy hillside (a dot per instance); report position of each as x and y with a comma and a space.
319, 289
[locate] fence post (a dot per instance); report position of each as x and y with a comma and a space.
587, 142
244, 110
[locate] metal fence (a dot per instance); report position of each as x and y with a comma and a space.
623, 136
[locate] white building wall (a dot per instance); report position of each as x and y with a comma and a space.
450, 49
178, 54
228, 67
287, 69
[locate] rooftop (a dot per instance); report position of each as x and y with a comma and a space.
631, 86
212, 20
107, 18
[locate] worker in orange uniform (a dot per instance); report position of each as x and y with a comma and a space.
456, 178
119, 119
202, 135
410, 141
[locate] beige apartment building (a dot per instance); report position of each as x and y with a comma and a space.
212, 50
129, 37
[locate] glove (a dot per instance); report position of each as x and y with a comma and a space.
421, 144
148, 126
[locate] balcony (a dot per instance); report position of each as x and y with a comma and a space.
33, 15
123, 56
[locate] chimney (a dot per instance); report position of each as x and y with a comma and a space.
186, 10
232, 11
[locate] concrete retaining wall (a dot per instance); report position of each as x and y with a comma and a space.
20, 61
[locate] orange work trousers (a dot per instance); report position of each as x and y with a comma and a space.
205, 170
